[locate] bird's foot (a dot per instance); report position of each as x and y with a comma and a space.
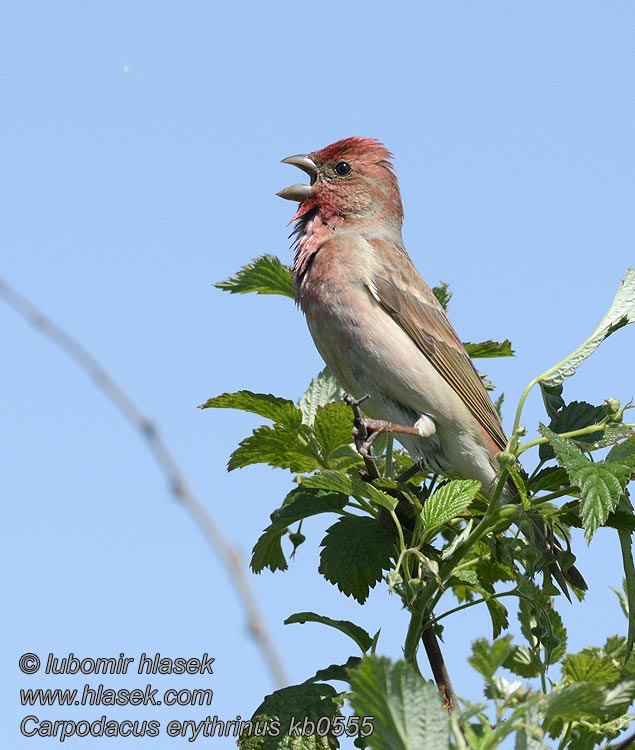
375, 427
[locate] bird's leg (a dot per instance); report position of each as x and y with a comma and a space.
424, 427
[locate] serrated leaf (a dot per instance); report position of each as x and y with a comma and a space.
611, 436
623, 453
549, 479
340, 482
498, 615
584, 699
601, 484
407, 710
587, 666
264, 275
552, 398
621, 520
619, 697
322, 390
448, 502
575, 701
277, 446
267, 552
266, 405
524, 662
489, 348
299, 504
487, 657
355, 552
332, 428
621, 312
359, 635
336, 671
574, 416
295, 709
541, 624
443, 294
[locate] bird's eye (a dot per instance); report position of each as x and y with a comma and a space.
342, 168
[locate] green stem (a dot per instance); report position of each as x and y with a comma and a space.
461, 744
565, 735
551, 496
415, 627
389, 469
395, 520
574, 433
474, 603
513, 441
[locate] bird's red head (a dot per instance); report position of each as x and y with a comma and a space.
351, 180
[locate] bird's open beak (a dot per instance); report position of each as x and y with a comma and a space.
300, 192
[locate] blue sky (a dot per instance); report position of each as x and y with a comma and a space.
141, 148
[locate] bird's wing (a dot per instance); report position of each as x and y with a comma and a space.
400, 290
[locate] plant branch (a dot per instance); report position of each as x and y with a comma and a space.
174, 476
420, 621
589, 430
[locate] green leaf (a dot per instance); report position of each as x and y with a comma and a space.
601, 484
332, 428
296, 711
488, 657
407, 710
574, 416
340, 482
575, 701
359, 635
267, 552
279, 410
448, 502
589, 699
322, 390
524, 662
264, 275
552, 398
588, 666
540, 623
356, 551
336, 671
623, 453
299, 504
489, 348
621, 312
549, 479
610, 436
498, 615
530, 735
443, 294
277, 446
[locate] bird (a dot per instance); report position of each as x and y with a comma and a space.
375, 321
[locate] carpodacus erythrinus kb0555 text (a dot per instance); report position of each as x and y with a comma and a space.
375, 321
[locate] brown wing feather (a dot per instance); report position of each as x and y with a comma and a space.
408, 299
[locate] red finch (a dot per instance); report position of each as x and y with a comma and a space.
375, 321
